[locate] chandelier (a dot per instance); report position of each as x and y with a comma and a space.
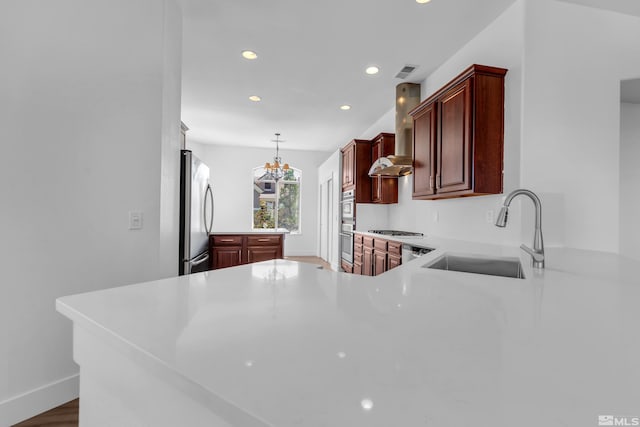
276, 170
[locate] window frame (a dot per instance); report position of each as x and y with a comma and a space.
298, 182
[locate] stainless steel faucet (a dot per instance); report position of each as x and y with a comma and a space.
537, 253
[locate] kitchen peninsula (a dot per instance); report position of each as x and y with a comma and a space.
285, 344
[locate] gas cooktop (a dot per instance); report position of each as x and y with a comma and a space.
396, 233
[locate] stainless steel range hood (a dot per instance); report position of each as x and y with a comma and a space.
407, 98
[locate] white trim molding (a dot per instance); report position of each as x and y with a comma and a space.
38, 400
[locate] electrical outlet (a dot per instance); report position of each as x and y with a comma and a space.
135, 220
489, 216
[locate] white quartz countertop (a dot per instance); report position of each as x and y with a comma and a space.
294, 345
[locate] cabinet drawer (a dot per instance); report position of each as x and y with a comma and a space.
367, 242
227, 240
357, 248
357, 238
380, 245
394, 248
263, 240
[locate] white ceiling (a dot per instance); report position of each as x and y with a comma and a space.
312, 57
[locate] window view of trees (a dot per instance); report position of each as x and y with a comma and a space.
276, 204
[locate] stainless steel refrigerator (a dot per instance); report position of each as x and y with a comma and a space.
196, 214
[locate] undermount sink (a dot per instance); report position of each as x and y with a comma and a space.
505, 267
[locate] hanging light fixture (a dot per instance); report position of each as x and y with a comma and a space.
276, 170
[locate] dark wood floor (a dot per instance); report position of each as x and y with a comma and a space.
67, 415
63, 416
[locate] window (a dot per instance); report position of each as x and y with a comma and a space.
276, 204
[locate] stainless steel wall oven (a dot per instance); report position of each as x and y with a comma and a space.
346, 242
348, 206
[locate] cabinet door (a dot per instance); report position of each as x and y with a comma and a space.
348, 156
262, 253
393, 262
379, 262
454, 143
367, 264
348, 268
357, 268
383, 190
226, 256
376, 182
424, 143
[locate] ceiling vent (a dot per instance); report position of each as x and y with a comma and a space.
406, 70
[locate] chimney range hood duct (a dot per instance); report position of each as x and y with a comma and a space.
401, 164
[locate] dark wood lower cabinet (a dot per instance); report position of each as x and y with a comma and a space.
367, 263
228, 250
226, 256
262, 253
346, 267
357, 268
394, 254
379, 262
393, 262
374, 255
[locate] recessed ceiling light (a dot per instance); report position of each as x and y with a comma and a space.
255, 98
372, 70
249, 54
422, 1
345, 107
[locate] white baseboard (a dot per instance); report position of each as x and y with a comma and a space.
39, 400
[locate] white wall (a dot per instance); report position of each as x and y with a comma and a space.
575, 57
331, 169
562, 118
231, 177
630, 180
87, 93
500, 44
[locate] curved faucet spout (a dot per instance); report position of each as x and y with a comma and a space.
537, 253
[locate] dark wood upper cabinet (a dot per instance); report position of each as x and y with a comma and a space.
383, 190
356, 161
424, 144
348, 166
458, 137
357, 158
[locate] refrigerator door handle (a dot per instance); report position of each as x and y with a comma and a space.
209, 193
200, 259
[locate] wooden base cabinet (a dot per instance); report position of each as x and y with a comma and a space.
373, 256
458, 137
226, 256
346, 267
231, 250
394, 254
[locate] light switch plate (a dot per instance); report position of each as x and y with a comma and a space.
135, 220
